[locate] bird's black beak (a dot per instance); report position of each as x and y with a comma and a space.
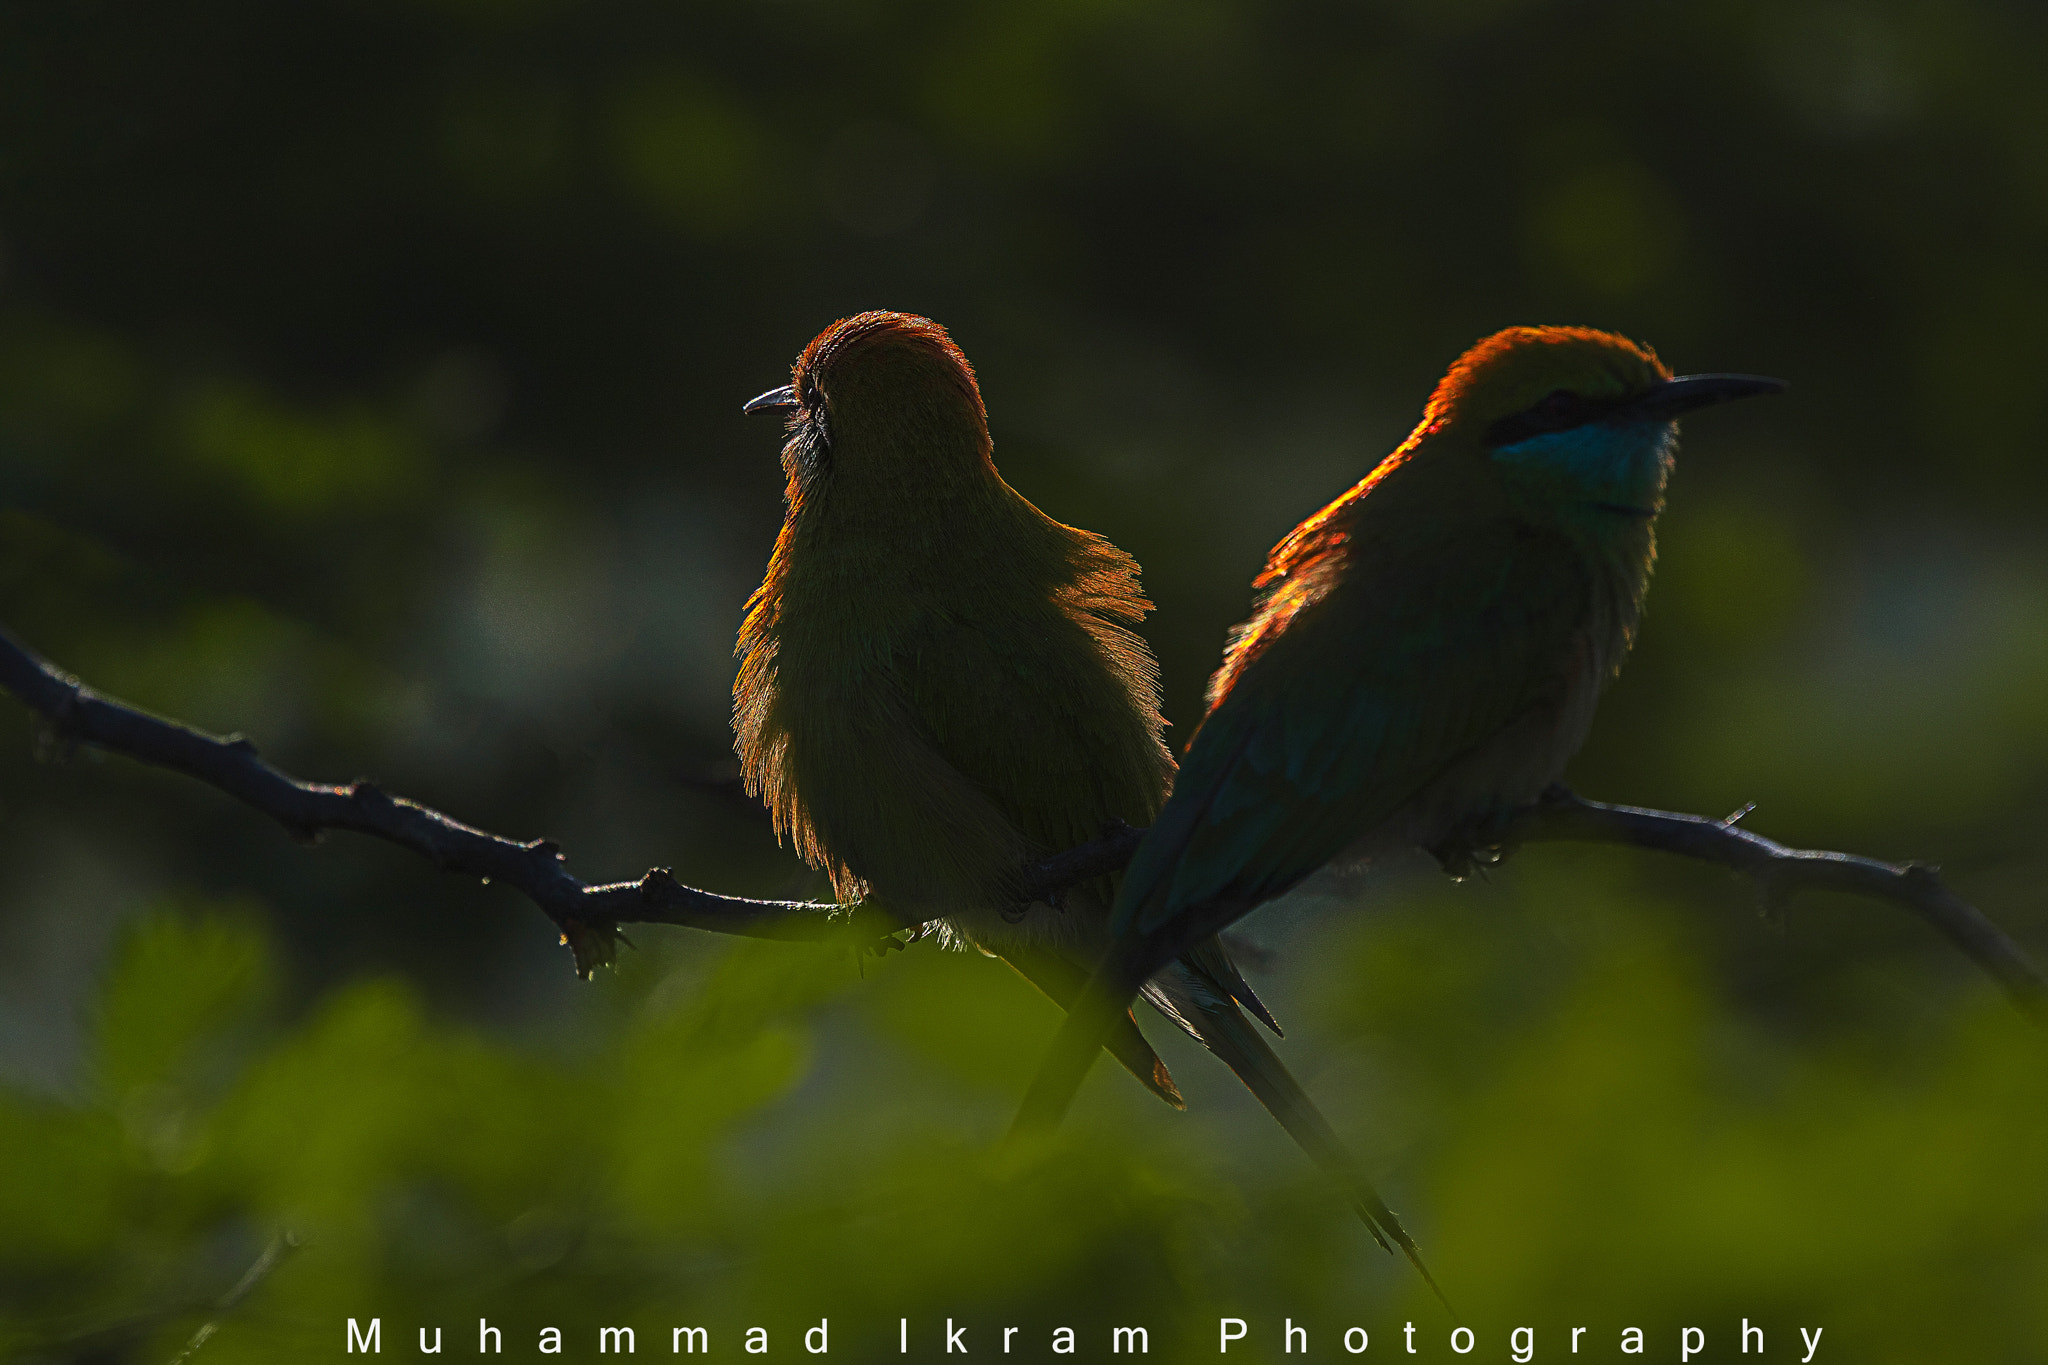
784, 397
1681, 395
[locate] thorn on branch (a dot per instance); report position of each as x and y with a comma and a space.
365, 792
1923, 876
658, 885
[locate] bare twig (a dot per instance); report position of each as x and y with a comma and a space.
120, 1340
1778, 871
281, 1246
589, 915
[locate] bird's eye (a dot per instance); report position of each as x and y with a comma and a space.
815, 419
1558, 410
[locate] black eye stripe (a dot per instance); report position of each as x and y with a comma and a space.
1558, 410
811, 415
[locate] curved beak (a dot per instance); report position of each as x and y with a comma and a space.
784, 397
1688, 391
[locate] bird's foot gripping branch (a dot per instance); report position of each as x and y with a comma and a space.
588, 915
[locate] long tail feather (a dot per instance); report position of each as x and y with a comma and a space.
1063, 981
1209, 958
1130, 963
1090, 1019
1225, 1031
1228, 1034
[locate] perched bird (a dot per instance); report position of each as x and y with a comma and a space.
1425, 654
939, 683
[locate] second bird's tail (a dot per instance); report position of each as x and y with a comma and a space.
1208, 1015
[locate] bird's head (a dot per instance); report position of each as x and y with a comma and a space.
884, 398
1574, 416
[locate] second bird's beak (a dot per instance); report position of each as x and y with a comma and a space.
1667, 400
784, 397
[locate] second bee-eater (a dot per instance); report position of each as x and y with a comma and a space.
1426, 651
939, 683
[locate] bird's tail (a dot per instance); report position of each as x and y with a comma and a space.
1220, 1026
1090, 1019
1064, 981
1129, 965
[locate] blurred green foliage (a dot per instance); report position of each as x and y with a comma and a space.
369, 374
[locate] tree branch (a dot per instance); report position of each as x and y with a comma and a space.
589, 915
1778, 871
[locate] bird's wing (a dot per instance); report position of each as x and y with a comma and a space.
1404, 666
1033, 707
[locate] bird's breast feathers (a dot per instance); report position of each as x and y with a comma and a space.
926, 754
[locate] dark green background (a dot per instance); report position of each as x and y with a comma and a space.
369, 383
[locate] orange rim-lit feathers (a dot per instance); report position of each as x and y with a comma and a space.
1292, 575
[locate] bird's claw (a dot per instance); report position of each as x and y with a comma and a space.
1461, 859
593, 943
1481, 843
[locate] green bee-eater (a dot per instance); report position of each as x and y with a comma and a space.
1425, 654
940, 683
